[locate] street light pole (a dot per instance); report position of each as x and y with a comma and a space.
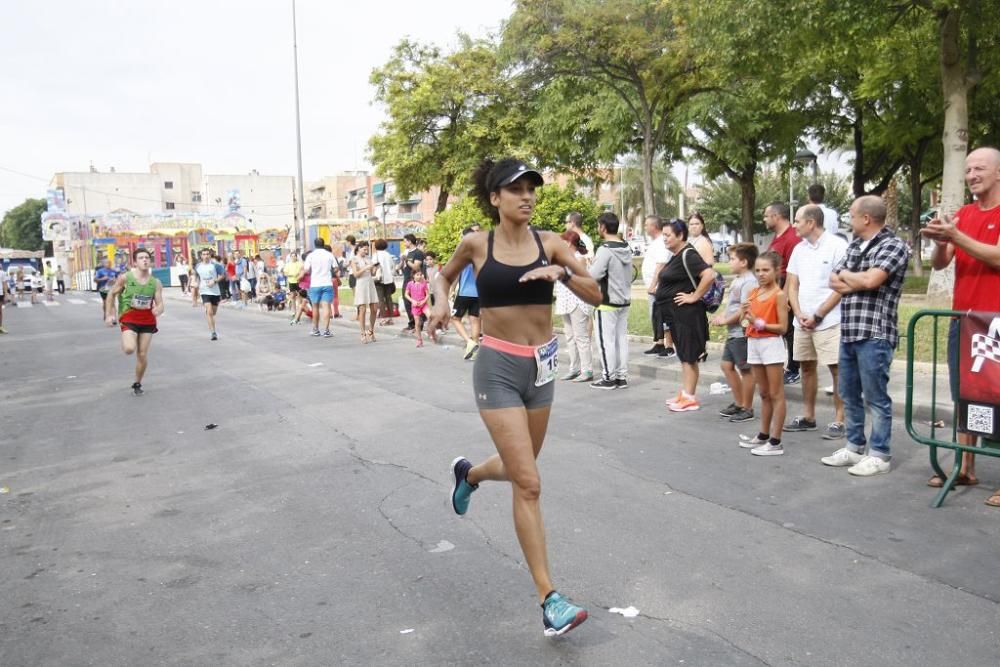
298, 131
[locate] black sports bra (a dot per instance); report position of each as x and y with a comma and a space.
498, 284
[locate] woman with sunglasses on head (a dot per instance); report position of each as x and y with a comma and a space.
516, 267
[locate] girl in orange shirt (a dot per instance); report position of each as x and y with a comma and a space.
766, 318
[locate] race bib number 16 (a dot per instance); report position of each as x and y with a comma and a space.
547, 360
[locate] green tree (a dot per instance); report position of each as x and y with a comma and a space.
666, 188
551, 207
747, 121
445, 232
22, 226
721, 200
968, 41
555, 203
446, 111
573, 125
635, 50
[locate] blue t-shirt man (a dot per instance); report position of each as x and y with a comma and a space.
467, 282
104, 276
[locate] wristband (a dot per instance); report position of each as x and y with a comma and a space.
567, 274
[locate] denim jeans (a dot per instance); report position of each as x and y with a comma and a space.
864, 381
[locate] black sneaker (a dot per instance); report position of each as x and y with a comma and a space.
799, 424
667, 352
215, 336
792, 378
743, 415
604, 384
730, 410
622, 383
656, 349
137, 389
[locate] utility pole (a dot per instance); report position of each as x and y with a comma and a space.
298, 134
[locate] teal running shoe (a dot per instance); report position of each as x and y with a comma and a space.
559, 615
462, 491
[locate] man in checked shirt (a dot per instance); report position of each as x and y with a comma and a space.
870, 278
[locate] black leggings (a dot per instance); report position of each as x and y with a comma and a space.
385, 291
658, 322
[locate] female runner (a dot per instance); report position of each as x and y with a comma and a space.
516, 267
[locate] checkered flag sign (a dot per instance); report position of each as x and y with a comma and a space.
978, 381
984, 346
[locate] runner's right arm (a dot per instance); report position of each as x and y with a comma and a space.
111, 304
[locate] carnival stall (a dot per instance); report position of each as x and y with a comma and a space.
335, 231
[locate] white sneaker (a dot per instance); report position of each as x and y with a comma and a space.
768, 449
868, 466
746, 442
842, 457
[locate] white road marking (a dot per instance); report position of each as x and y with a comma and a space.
79, 302
50, 304
316, 365
97, 300
24, 304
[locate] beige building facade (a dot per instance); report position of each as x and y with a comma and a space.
180, 189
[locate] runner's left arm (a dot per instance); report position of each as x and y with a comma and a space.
158, 304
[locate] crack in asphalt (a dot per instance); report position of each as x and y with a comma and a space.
489, 542
399, 466
697, 629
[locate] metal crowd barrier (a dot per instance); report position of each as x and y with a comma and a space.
936, 439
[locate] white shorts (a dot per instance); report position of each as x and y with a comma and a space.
766, 351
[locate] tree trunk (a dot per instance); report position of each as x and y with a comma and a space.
442, 202
748, 201
915, 196
648, 199
858, 176
891, 197
955, 139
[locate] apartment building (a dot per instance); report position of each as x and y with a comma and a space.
179, 189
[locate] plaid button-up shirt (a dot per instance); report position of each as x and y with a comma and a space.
873, 313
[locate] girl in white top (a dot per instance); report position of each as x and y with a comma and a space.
385, 281
577, 322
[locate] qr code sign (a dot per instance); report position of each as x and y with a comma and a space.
980, 418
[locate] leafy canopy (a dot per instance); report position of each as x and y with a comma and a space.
551, 208
446, 111
22, 226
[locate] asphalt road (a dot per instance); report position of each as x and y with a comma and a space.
312, 527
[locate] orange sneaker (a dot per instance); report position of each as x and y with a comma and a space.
685, 404
670, 401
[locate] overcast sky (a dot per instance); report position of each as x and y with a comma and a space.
128, 82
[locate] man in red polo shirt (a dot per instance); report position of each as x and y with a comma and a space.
972, 237
777, 219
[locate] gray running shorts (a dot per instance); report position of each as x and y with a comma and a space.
504, 380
